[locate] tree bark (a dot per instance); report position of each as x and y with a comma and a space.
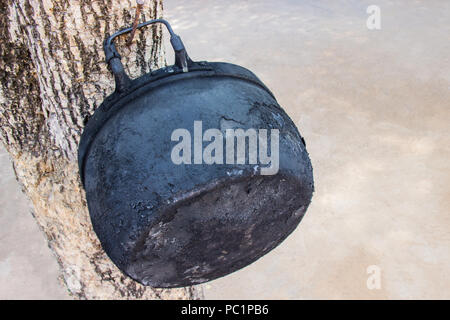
52, 78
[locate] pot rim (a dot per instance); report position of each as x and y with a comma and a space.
149, 81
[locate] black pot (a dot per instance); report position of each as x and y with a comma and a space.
167, 224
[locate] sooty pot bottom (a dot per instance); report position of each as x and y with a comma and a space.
218, 231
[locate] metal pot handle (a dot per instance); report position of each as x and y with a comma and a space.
112, 57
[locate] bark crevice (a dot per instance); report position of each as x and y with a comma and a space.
52, 78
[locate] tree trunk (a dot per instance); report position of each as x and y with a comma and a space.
52, 78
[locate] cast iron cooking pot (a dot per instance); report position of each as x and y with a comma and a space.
172, 223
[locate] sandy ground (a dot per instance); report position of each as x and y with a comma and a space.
374, 108
28, 269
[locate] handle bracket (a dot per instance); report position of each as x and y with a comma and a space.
112, 57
